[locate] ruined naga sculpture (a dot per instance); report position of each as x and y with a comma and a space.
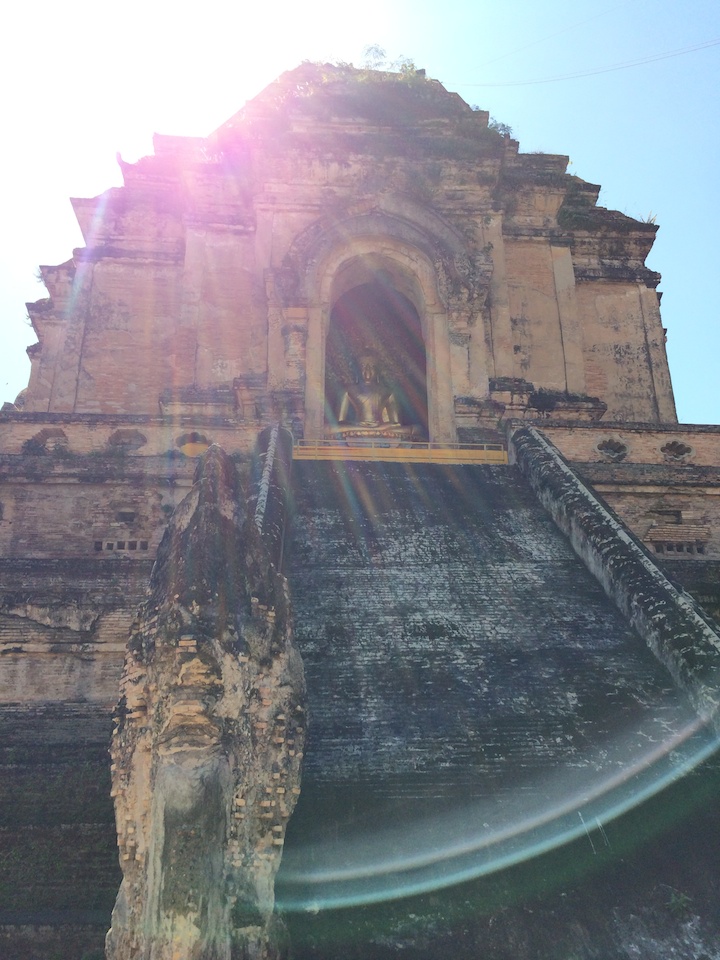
208, 740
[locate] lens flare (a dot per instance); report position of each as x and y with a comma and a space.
476, 839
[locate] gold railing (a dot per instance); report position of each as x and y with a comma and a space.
384, 450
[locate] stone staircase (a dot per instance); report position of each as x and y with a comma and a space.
462, 666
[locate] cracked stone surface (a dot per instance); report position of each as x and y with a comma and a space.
209, 739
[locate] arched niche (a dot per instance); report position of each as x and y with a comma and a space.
373, 317
401, 280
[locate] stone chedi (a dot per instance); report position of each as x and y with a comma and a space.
208, 740
238, 281
342, 211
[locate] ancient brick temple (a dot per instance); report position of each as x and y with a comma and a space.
501, 549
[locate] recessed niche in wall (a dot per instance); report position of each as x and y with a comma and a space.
673, 517
121, 546
47, 441
677, 547
192, 444
676, 451
612, 449
127, 440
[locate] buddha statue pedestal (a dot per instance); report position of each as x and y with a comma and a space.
377, 435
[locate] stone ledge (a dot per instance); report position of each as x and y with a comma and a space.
630, 426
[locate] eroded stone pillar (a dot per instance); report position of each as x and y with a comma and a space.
209, 739
570, 328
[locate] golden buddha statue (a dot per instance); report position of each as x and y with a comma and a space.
369, 409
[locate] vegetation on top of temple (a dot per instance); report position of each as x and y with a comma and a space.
393, 111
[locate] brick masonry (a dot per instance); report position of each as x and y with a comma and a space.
456, 652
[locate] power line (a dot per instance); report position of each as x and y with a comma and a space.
551, 36
626, 64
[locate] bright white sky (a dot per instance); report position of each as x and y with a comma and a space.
85, 80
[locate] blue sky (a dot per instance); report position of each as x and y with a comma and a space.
82, 83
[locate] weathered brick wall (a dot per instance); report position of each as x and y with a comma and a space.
103, 435
537, 353
644, 442
672, 505
66, 519
672, 624
59, 873
701, 580
57, 505
64, 627
624, 351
